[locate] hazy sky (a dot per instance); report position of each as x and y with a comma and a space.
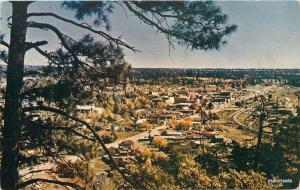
268, 36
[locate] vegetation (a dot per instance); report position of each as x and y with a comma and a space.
42, 126
182, 172
194, 76
181, 124
195, 25
159, 142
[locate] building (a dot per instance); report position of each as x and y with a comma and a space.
88, 109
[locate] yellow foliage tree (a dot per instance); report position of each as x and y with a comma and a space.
160, 142
183, 124
191, 175
143, 152
145, 126
160, 156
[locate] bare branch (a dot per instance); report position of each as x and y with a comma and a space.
98, 138
3, 70
37, 180
46, 54
167, 32
2, 42
37, 171
117, 41
145, 19
69, 130
30, 45
34, 73
60, 35
52, 56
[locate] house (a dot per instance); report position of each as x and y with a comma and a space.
168, 100
225, 94
141, 112
114, 127
183, 147
218, 99
181, 99
182, 105
89, 108
172, 133
141, 121
165, 116
188, 111
207, 134
128, 145
218, 138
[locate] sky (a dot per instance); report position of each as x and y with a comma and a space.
268, 36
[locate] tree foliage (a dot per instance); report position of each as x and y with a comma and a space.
159, 142
195, 24
77, 69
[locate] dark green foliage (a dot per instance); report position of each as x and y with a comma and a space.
280, 158
3, 54
272, 159
215, 159
294, 81
79, 70
69, 84
93, 56
88, 8
287, 142
242, 157
194, 24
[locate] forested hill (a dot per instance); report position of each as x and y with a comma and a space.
289, 76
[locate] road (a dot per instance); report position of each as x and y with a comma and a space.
137, 137
215, 110
155, 130
234, 115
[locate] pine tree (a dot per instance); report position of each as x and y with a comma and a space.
195, 25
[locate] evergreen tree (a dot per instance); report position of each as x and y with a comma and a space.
196, 25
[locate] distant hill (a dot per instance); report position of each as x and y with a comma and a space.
224, 73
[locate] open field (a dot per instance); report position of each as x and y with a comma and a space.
232, 132
230, 129
124, 135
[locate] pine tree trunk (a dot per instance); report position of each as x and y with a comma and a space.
259, 139
12, 111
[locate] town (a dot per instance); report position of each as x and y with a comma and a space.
139, 120
149, 95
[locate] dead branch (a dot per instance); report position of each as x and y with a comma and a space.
61, 36
71, 131
42, 180
30, 45
2, 42
117, 41
98, 138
